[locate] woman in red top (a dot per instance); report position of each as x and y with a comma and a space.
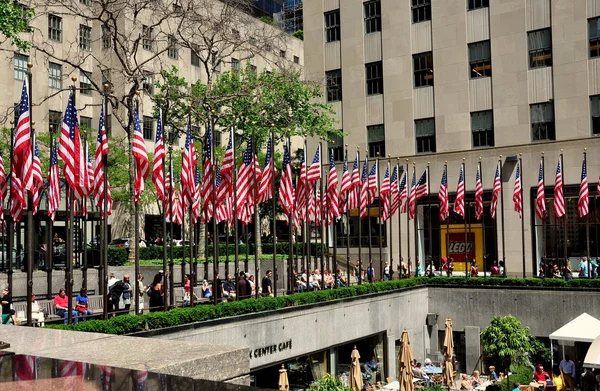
539, 376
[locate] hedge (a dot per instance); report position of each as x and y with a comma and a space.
222, 259
178, 316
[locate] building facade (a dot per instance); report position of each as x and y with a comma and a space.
478, 81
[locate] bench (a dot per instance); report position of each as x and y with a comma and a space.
96, 303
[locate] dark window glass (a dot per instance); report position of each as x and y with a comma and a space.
85, 37
106, 37
540, 48
194, 57
595, 110
475, 4
423, 69
480, 59
425, 135
20, 66
85, 83
334, 85
594, 37
336, 144
296, 60
332, 26
55, 75
421, 10
147, 38
148, 84
372, 16
55, 28
482, 128
374, 72
172, 50
235, 65
54, 121
376, 140
542, 121
148, 128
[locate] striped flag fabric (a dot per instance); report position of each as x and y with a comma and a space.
24, 367
196, 210
417, 191
142, 165
372, 188
301, 190
248, 178
53, 184
90, 172
207, 191
22, 159
478, 194
188, 177
105, 377
443, 196
583, 202
403, 193
228, 165
395, 194
540, 200
314, 171
497, 188
286, 186
384, 194
158, 166
333, 207
559, 198
459, 202
17, 193
179, 206
169, 195
312, 208
101, 182
38, 180
222, 212
364, 188
3, 187
353, 196
346, 187
71, 152
265, 191
517, 198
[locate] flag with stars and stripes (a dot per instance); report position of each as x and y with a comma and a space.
540, 199
583, 202
101, 182
22, 159
247, 181
53, 184
286, 186
207, 190
478, 194
403, 193
38, 180
346, 186
71, 151
372, 188
443, 196
417, 191
314, 171
364, 188
384, 194
459, 202
355, 178
265, 191
559, 198
517, 198
158, 166
496, 190
3, 187
333, 207
142, 165
395, 193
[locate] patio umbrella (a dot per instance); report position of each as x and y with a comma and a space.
356, 380
448, 373
405, 358
284, 384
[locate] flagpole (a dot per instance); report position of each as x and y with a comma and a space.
322, 223
482, 222
565, 245
291, 244
103, 278
399, 221
307, 240
167, 294
214, 207
360, 196
348, 226
84, 222
464, 172
391, 246
430, 223
380, 222
257, 279
236, 237
30, 228
408, 190
369, 222
336, 277
587, 220
502, 215
136, 225
192, 190
417, 260
274, 203
447, 220
522, 213
69, 244
49, 254
172, 211
544, 218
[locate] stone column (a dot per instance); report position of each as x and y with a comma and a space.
391, 361
472, 348
333, 361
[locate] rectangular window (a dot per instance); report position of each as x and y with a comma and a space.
54, 121
376, 140
540, 48
85, 83
20, 66
55, 28
148, 128
147, 38
86, 2
336, 144
55, 75
423, 69
480, 59
194, 56
108, 124
148, 84
85, 122
235, 65
253, 70
282, 53
374, 72
595, 110
482, 128
296, 60
106, 38
425, 135
172, 50
332, 26
334, 85
542, 121
594, 37
475, 4
421, 10
218, 139
372, 16
85, 37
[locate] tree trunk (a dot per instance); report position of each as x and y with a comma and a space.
201, 240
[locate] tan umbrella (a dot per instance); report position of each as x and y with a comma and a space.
405, 358
284, 384
448, 373
356, 380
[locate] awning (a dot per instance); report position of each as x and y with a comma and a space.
592, 358
584, 328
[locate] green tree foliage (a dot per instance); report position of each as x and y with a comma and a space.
298, 34
14, 20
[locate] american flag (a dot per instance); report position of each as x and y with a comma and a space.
478, 194
90, 171
22, 146
53, 184
403, 193
24, 367
207, 191
71, 152
517, 199
333, 211
105, 377
443, 196
3, 187
248, 178
540, 200
158, 167
301, 190
222, 211
187, 185
372, 183
418, 191
312, 209
346, 186
228, 164
286, 186
395, 194
100, 170
459, 202
38, 181
196, 210
142, 380
314, 171
142, 165
265, 191
384, 194
18, 203
364, 188
496, 191
559, 199
583, 203
170, 194
353, 196
179, 206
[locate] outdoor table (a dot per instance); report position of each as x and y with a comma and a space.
433, 370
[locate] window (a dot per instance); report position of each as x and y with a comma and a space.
480, 59
376, 140
54, 120
55, 27
296, 60
147, 38
85, 83
218, 138
177, 8
334, 85
172, 50
336, 144
20, 66
594, 31
148, 84
332, 26
372, 16
253, 70
148, 128
475, 4
540, 48
86, 2
374, 78
235, 65
195, 57
425, 135
482, 128
595, 110
282, 53
55, 75
106, 79
423, 69
542, 121
85, 37
421, 10
85, 122
108, 124
106, 38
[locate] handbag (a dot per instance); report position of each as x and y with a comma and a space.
81, 308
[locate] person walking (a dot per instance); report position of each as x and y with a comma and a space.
127, 293
141, 290
267, 285
155, 291
567, 369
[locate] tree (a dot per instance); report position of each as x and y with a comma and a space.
298, 34
14, 20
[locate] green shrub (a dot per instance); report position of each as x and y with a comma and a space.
117, 256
